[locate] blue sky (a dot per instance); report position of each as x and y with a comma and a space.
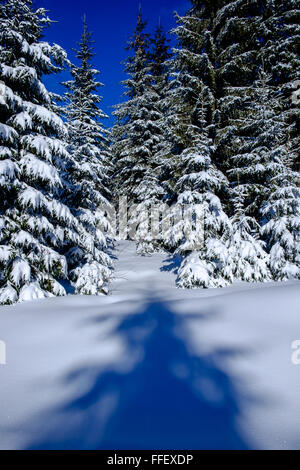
112, 22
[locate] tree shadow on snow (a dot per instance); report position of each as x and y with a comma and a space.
172, 264
168, 399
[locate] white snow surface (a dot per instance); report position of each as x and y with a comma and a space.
152, 366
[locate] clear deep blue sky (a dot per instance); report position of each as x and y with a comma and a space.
112, 22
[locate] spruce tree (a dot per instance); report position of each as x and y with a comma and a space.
196, 180
204, 245
151, 193
279, 54
279, 36
237, 40
248, 260
262, 170
193, 65
130, 153
280, 207
89, 148
254, 39
190, 68
34, 222
257, 137
139, 135
37, 227
281, 216
159, 56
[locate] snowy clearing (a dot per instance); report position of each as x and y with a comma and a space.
152, 366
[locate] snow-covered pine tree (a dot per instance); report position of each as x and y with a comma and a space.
205, 226
281, 63
248, 259
34, 222
139, 134
191, 66
197, 182
88, 194
279, 34
264, 163
37, 227
244, 138
280, 209
281, 212
237, 40
130, 168
248, 34
150, 194
159, 56
258, 129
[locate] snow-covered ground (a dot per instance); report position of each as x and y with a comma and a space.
152, 366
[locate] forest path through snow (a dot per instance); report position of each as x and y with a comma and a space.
140, 275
